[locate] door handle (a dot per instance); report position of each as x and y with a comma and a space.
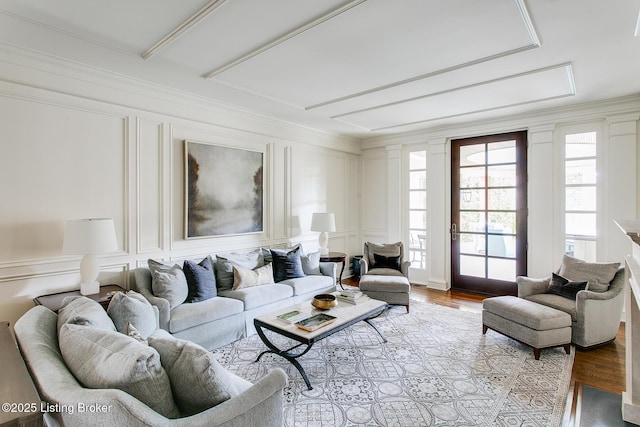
453, 231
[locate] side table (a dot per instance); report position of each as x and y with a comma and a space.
336, 257
54, 301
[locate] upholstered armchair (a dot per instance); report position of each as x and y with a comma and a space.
384, 275
386, 259
595, 311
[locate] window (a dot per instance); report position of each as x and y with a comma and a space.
418, 208
580, 195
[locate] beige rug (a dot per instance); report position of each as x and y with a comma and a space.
437, 369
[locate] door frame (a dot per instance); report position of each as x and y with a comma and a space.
485, 285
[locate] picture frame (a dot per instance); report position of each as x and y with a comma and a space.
224, 190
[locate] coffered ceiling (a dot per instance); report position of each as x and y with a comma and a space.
357, 67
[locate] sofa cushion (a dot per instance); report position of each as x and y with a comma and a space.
287, 264
309, 284
261, 295
197, 379
383, 271
201, 280
556, 301
598, 274
186, 316
226, 261
311, 263
80, 310
168, 282
245, 278
132, 308
565, 288
108, 359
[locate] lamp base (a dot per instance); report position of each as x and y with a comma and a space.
90, 288
323, 241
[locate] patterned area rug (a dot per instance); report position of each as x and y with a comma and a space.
437, 369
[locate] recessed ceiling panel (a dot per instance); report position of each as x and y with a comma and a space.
534, 86
240, 26
379, 43
124, 24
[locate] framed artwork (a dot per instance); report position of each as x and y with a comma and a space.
223, 190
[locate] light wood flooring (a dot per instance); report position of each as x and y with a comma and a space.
602, 367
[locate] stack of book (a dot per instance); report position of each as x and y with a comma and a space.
293, 316
351, 297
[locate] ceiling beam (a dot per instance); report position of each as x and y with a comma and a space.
193, 20
332, 14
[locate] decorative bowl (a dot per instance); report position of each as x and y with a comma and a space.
324, 301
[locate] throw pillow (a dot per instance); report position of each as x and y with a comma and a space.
200, 280
244, 278
563, 287
311, 263
108, 359
225, 263
132, 309
266, 252
598, 274
168, 282
80, 310
382, 261
287, 264
197, 379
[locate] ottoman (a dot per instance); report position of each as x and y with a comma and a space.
531, 323
391, 289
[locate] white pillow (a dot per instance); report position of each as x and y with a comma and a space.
80, 310
246, 278
197, 379
311, 263
133, 309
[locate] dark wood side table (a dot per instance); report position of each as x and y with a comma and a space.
54, 301
336, 257
18, 395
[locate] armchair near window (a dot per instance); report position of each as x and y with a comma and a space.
596, 311
384, 273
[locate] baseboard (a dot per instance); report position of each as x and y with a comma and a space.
441, 285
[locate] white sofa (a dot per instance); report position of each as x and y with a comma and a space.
229, 316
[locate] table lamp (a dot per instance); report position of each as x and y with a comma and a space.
89, 237
324, 223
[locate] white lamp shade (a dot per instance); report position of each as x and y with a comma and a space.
323, 222
89, 236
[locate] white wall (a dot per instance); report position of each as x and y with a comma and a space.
619, 118
77, 143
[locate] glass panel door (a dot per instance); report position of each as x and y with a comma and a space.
488, 211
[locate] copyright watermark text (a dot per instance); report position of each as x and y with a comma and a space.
69, 408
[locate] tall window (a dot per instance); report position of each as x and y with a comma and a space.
418, 208
580, 217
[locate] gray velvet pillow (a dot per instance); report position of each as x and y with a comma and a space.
80, 310
598, 274
133, 308
197, 379
168, 282
109, 359
384, 249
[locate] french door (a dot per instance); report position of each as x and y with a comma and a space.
489, 213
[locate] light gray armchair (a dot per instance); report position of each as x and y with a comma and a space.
595, 314
384, 274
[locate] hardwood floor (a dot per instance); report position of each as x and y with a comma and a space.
602, 367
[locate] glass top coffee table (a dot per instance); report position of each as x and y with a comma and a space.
346, 315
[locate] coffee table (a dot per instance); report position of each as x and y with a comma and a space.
346, 314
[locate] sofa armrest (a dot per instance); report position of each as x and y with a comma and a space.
364, 266
329, 269
528, 286
142, 278
404, 268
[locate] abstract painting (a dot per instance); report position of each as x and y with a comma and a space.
224, 190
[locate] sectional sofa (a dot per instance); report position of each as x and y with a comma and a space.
225, 292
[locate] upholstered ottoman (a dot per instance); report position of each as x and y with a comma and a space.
531, 323
391, 289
